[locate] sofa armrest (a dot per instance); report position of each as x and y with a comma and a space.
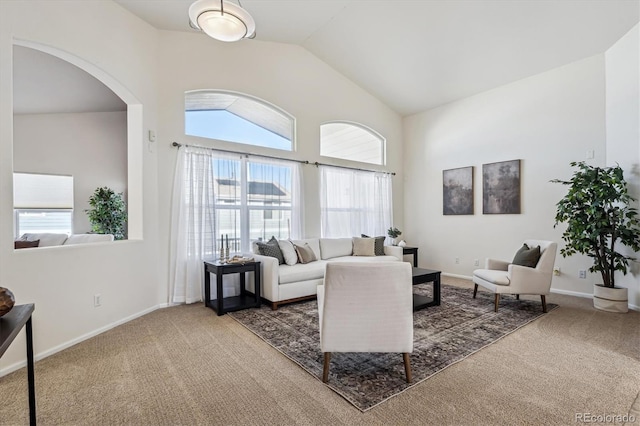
269, 268
497, 265
525, 280
394, 251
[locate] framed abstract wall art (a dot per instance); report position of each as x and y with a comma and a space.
457, 191
501, 187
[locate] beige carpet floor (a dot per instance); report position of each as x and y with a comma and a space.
186, 366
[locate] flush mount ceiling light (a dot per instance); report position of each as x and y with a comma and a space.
222, 20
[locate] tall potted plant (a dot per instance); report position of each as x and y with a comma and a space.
108, 213
598, 215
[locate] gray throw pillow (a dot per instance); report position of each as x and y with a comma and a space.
272, 249
363, 246
379, 245
527, 256
305, 253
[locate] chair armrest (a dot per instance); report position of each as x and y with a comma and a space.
525, 280
270, 279
394, 251
498, 265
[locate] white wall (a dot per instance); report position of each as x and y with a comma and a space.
120, 50
623, 130
92, 147
547, 121
285, 75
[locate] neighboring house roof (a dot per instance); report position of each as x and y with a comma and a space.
257, 191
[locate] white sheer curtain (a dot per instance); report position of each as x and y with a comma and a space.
216, 193
355, 202
193, 221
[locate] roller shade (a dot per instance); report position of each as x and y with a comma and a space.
36, 191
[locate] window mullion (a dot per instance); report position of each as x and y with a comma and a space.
244, 207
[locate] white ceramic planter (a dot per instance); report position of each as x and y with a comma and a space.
609, 299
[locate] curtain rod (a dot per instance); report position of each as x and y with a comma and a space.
178, 145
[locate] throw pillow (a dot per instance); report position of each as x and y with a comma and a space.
527, 256
305, 253
19, 244
364, 246
288, 252
271, 248
379, 249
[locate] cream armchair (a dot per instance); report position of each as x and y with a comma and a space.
366, 308
501, 277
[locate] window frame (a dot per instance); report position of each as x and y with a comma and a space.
374, 133
277, 109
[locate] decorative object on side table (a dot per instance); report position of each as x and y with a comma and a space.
598, 213
394, 233
108, 213
7, 300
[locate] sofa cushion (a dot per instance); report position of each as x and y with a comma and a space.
271, 248
301, 272
379, 244
46, 239
335, 247
288, 252
87, 238
364, 246
364, 259
493, 276
527, 256
25, 244
305, 253
314, 243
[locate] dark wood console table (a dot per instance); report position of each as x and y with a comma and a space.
414, 252
10, 326
246, 299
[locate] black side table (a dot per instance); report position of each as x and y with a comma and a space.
414, 252
10, 326
246, 299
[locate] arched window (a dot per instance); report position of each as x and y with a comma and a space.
351, 141
236, 117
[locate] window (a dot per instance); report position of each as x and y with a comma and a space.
354, 202
42, 203
234, 117
351, 141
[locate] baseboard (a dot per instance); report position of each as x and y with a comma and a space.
553, 290
18, 365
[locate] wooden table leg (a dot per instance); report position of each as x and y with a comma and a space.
436, 290
219, 292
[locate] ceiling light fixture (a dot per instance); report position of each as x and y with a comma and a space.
222, 20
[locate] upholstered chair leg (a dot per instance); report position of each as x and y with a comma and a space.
517, 297
325, 370
475, 290
497, 302
544, 303
407, 366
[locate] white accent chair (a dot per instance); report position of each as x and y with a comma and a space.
366, 308
502, 277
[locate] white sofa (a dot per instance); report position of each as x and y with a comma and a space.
290, 283
51, 239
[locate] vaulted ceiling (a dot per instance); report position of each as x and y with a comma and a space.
415, 55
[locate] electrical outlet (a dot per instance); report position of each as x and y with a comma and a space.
97, 300
457, 260
476, 262
556, 271
582, 274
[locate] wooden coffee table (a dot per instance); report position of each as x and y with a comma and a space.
421, 276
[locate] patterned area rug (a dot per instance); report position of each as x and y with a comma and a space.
443, 335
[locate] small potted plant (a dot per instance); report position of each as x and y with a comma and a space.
598, 215
108, 213
394, 233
